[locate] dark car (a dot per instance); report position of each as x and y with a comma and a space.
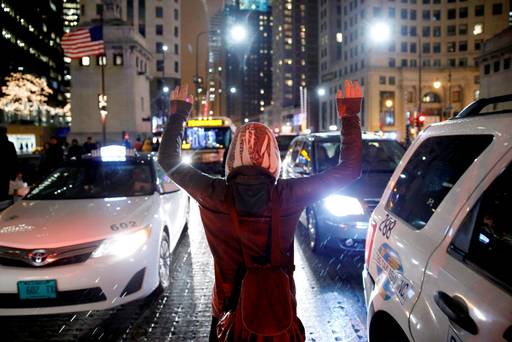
341, 219
283, 142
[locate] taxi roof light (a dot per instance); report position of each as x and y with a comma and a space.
205, 123
113, 153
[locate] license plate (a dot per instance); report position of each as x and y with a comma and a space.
37, 289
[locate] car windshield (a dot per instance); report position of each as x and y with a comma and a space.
378, 155
199, 138
95, 179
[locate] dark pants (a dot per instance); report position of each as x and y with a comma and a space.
213, 329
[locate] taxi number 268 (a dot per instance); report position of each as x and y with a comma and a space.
387, 226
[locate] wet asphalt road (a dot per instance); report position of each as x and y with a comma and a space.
329, 295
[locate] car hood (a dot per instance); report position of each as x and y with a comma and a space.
370, 185
56, 223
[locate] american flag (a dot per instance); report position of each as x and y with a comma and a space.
87, 41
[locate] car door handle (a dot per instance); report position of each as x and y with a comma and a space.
456, 310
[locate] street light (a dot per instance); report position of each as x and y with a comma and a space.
238, 33
437, 84
165, 89
380, 32
321, 91
232, 90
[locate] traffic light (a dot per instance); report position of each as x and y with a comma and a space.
420, 120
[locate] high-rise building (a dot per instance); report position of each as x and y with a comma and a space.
142, 41
71, 14
294, 65
248, 64
413, 57
30, 39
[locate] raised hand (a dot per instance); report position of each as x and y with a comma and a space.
180, 93
350, 104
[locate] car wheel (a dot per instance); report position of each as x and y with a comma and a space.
164, 263
312, 230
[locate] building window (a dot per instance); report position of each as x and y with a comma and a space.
403, 13
436, 47
451, 47
487, 69
463, 29
403, 30
403, 63
451, 62
412, 14
506, 63
478, 44
496, 66
392, 80
391, 47
391, 12
101, 60
437, 62
159, 12
497, 9
176, 14
413, 63
436, 15
479, 10
176, 31
382, 79
85, 61
159, 65
99, 9
452, 13
392, 63
412, 48
403, 47
176, 49
463, 45
426, 15
426, 48
159, 30
463, 62
463, 12
176, 67
451, 30
387, 108
118, 59
426, 31
158, 47
412, 31
377, 12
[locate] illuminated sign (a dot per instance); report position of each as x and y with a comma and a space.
205, 123
258, 5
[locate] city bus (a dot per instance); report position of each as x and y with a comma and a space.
205, 143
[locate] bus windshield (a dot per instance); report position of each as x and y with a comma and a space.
200, 138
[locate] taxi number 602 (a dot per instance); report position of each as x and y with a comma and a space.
387, 226
122, 225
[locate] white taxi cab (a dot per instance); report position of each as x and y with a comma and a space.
96, 233
440, 241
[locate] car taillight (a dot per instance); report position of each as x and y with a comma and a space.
370, 235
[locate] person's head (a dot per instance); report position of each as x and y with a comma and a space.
74, 142
138, 139
53, 140
3, 131
89, 139
254, 144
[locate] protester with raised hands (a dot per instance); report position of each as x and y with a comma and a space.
250, 219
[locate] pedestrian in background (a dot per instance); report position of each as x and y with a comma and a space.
9, 163
53, 156
75, 151
89, 145
251, 216
138, 144
147, 146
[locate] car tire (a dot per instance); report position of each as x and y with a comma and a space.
312, 230
164, 263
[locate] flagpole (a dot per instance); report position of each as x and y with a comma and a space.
104, 61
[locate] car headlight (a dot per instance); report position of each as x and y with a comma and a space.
186, 159
123, 245
339, 205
